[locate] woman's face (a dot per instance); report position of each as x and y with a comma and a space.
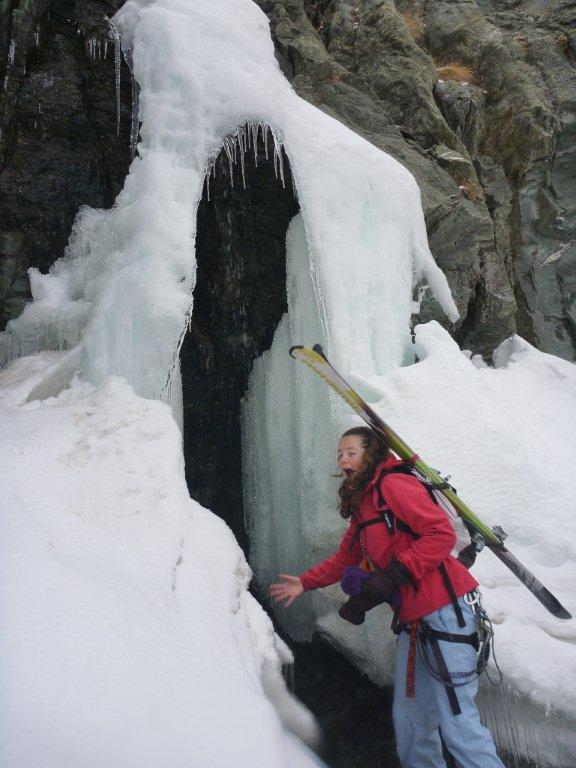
350, 455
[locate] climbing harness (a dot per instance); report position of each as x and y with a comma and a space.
427, 641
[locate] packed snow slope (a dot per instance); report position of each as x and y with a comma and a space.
129, 637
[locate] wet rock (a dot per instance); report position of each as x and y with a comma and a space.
378, 80
239, 299
59, 146
458, 166
13, 283
462, 107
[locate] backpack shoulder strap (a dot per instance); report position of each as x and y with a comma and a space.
392, 521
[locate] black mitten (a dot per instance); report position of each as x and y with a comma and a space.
384, 583
354, 609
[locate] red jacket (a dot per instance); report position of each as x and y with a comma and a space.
410, 502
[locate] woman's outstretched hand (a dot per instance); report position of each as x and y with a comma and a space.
287, 590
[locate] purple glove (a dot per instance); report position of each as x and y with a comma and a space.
352, 579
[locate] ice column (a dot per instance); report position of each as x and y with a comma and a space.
289, 427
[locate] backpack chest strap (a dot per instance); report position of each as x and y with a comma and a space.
384, 516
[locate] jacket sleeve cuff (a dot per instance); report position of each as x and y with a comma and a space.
305, 582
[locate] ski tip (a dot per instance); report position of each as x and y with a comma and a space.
562, 613
295, 347
553, 604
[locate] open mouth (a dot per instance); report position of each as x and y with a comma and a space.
348, 472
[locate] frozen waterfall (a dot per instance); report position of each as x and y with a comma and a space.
123, 292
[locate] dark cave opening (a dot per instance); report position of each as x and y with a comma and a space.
239, 298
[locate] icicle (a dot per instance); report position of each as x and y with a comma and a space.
265, 132
12, 53
135, 127
242, 148
294, 190
117, 64
228, 151
37, 36
255, 127
278, 154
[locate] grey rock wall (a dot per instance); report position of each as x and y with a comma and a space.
59, 147
477, 99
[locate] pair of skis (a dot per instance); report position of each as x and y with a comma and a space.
493, 537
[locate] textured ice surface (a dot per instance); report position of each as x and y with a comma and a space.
129, 637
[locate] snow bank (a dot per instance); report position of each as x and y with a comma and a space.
129, 637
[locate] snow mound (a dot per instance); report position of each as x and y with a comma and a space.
129, 637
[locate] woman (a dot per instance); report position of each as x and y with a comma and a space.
404, 543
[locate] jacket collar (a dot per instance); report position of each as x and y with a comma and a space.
388, 463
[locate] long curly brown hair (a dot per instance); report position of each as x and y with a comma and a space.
376, 450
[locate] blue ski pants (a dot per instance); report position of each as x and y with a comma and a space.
416, 720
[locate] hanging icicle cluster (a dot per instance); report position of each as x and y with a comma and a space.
243, 140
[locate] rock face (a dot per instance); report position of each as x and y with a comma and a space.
477, 99
59, 143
